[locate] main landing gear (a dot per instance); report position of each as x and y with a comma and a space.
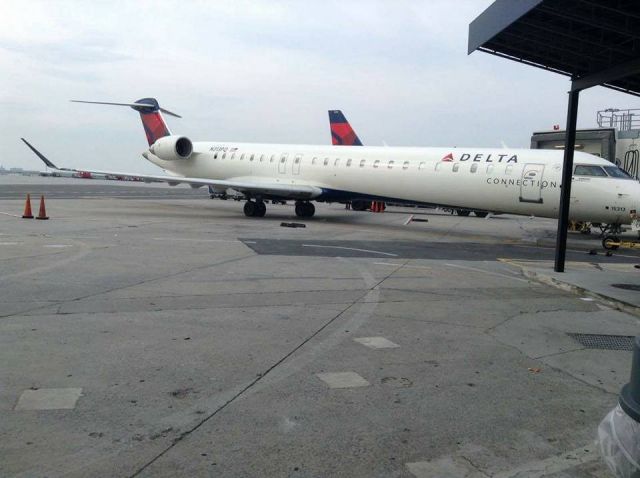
305, 209
255, 208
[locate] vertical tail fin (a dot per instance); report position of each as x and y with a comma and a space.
152, 120
341, 131
150, 114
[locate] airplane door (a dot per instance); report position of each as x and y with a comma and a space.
296, 164
282, 164
531, 183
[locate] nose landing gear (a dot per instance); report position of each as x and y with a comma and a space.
255, 208
305, 209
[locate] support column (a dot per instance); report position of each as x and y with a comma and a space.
567, 173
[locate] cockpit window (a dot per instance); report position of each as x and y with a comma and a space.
588, 170
616, 172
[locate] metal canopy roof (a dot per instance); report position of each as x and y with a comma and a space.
593, 41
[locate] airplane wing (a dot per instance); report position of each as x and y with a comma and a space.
258, 187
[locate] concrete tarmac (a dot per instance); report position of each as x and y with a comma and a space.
164, 337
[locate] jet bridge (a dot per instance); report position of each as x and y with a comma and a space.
617, 139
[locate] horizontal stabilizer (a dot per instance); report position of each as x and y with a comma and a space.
145, 107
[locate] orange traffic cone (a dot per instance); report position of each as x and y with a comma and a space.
27, 209
42, 214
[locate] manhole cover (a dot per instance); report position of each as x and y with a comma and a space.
604, 342
627, 286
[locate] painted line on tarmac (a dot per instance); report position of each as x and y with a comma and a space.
401, 265
577, 251
350, 249
486, 272
201, 240
12, 215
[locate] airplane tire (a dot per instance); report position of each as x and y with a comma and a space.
250, 209
463, 212
359, 205
481, 213
611, 242
261, 209
310, 209
305, 209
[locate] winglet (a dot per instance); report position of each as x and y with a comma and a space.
40, 155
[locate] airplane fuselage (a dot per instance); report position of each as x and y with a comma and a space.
518, 181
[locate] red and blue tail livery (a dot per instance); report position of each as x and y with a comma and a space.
153, 122
341, 131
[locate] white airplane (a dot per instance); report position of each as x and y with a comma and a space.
517, 181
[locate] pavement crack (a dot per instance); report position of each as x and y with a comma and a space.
372, 285
474, 466
520, 314
555, 354
552, 367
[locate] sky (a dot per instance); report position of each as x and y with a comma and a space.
263, 71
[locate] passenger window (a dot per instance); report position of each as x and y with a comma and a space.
273, 158
297, 160
335, 163
405, 165
438, 166
251, 158
348, 163
261, 157
362, 163
313, 161
326, 161
376, 163
283, 159
489, 168
390, 165
474, 167
233, 155
421, 166
215, 156
588, 170
224, 155
456, 167
508, 169
241, 157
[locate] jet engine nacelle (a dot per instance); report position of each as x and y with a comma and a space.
172, 148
